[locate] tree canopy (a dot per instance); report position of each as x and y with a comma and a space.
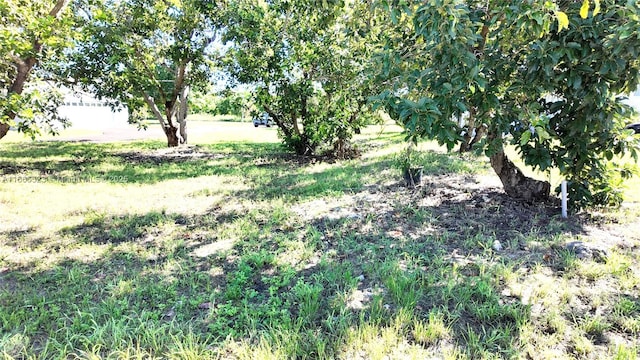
146, 54
305, 63
541, 76
32, 31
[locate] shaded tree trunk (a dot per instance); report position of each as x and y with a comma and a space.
17, 86
342, 147
182, 131
302, 146
465, 145
293, 137
468, 141
174, 119
475, 133
4, 129
515, 183
172, 136
176, 135
23, 68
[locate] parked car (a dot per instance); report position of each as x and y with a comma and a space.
262, 119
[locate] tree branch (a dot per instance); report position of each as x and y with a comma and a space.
149, 72
57, 8
154, 108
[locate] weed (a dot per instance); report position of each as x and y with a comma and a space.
582, 346
431, 331
307, 296
626, 307
555, 322
594, 326
622, 352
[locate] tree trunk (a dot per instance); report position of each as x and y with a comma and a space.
291, 132
515, 183
17, 86
172, 136
303, 146
182, 115
468, 141
465, 145
182, 131
4, 129
342, 149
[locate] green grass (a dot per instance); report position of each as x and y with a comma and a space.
236, 250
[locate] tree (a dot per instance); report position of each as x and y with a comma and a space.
233, 103
32, 32
146, 54
301, 58
542, 76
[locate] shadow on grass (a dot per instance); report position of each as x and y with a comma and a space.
393, 260
149, 162
16, 237
98, 228
359, 272
254, 295
138, 162
307, 182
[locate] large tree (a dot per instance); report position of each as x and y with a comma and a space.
543, 76
146, 54
305, 62
32, 31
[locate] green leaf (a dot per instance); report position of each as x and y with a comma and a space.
27, 113
524, 138
574, 45
482, 83
543, 135
577, 82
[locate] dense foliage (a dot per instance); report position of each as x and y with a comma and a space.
31, 32
544, 77
147, 55
306, 64
541, 76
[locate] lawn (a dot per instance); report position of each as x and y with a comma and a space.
233, 249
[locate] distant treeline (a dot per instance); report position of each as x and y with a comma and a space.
228, 103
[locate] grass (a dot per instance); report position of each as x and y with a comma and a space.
201, 129
236, 250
